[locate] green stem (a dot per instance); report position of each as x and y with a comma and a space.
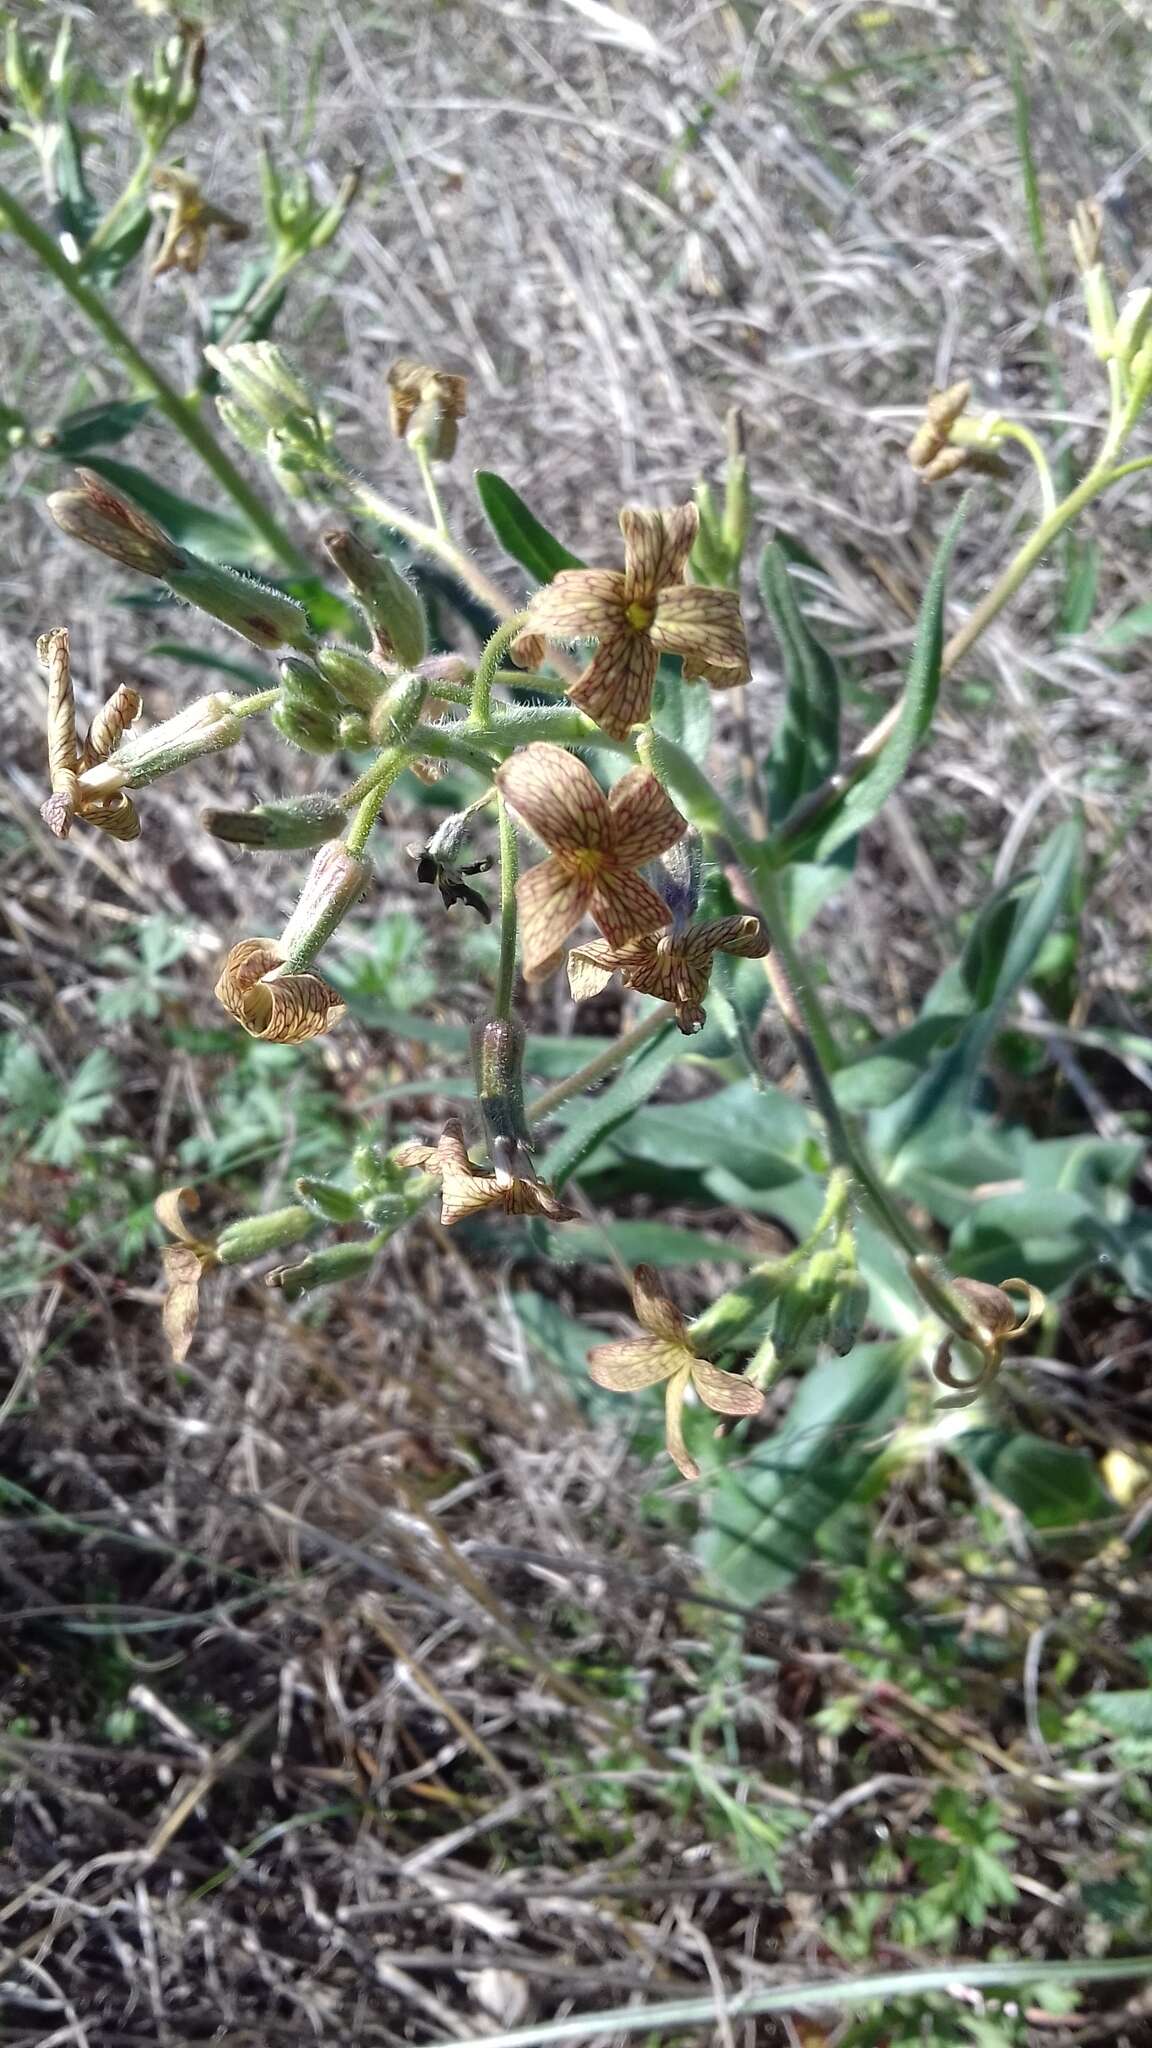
1013, 431
423, 536
509, 866
370, 793
169, 401
430, 491
604, 1063
486, 667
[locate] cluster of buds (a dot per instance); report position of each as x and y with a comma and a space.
391, 608
425, 406
163, 102
189, 219
946, 441
32, 75
193, 1254
297, 221
271, 410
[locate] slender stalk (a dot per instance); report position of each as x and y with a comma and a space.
431, 490
509, 867
136, 185
593, 1070
421, 535
183, 416
1012, 430
370, 793
486, 667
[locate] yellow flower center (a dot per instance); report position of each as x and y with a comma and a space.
588, 861
640, 616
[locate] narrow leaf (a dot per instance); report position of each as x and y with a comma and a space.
93, 425
807, 744
519, 531
596, 1117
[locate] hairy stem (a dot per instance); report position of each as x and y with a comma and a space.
183, 416
369, 793
509, 867
487, 666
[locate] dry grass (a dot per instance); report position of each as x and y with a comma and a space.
351, 1698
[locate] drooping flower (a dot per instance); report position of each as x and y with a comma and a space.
466, 1190
674, 965
425, 405
111, 810
190, 218
666, 1354
282, 1008
997, 1320
185, 1264
596, 844
637, 613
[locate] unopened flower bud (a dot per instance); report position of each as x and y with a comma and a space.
848, 1313
392, 608
497, 1063
336, 880
325, 1268
103, 519
332, 1204
251, 1236
355, 679
397, 712
1132, 326
315, 732
276, 828
302, 683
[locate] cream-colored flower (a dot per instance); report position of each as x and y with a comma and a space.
674, 965
270, 1004
425, 404
466, 1190
666, 1354
637, 614
596, 842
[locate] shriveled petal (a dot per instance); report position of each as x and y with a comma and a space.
654, 1311
590, 968
629, 1368
168, 1210
117, 815
535, 1198
726, 1392
110, 725
557, 796
414, 1157
552, 898
657, 544
644, 820
743, 935
705, 627
578, 604
616, 687
183, 1272
674, 1424
528, 649
466, 1194
245, 965
623, 906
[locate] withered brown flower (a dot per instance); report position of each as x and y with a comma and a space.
112, 812
997, 1320
185, 1264
466, 1189
271, 1004
597, 843
666, 1354
636, 614
189, 220
425, 404
674, 965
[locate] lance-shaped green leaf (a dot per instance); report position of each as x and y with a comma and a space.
519, 531
806, 748
816, 835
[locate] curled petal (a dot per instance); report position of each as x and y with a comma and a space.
674, 1423
183, 1272
282, 1008
552, 898
168, 1210
629, 1368
644, 820
590, 968
578, 604
53, 655
1036, 1305
657, 545
654, 1311
616, 687
117, 815
743, 935
59, 810
528, 649
414, 1157
523, 1197
726, 1392
623, 906
705, 627
557, 796
110, 724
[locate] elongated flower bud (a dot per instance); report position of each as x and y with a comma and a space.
497, 1062
323, 1269
390, 605
354, 678
251, 1236
332, 1204
257, 611
335, 881
276, 828
103, 519
110, 724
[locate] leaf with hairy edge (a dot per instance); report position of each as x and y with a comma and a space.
806, 747
767, 1512
518, 530
858, 803
218, 536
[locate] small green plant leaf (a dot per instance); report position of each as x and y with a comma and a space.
858, 803
65, 1132
519, 531
76, 211
1054, 1486
766, 1513
95, 425
807, 743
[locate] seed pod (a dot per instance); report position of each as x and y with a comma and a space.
497, 1063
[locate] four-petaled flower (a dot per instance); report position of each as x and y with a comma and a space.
637, 613
597, 842
675, 965
666, 1354
466, 1189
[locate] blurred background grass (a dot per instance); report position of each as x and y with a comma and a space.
352, 1688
